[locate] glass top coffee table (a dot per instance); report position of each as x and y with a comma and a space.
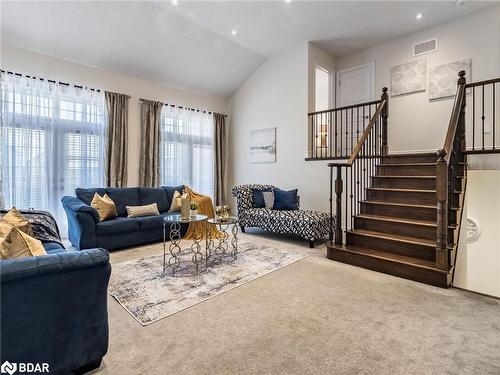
175, 261
225, 243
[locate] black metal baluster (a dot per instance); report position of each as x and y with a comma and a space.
341, 132
494, 108
473, 118
482, 114
336, 135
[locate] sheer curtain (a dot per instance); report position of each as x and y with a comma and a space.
52, 138
187, 149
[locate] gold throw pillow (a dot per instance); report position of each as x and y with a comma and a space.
175, 206
105, 207
17, 244
138, 211
14, 218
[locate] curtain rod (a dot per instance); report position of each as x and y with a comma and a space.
49, 80
181, 107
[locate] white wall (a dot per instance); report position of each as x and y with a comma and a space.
415, 124
32, 63
277, 95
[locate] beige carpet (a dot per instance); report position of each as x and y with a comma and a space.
313, 317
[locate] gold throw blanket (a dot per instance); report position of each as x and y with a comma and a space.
205, 207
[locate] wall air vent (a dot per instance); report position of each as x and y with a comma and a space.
425, 47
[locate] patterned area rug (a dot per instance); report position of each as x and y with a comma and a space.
140, 287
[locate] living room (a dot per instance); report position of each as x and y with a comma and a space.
250, 186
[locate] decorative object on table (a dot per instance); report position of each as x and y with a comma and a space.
309, 225
205, 207
443, 78
198, 225
408, 78
148, 296
263, 146
219, 247
222, 212
193, 209
185, 205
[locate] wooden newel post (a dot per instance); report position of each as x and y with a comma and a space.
461, 120
385, 114
442, 210
338, 207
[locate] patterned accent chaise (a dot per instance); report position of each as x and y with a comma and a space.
309, 225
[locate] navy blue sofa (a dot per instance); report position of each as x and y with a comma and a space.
54, 309
85, 231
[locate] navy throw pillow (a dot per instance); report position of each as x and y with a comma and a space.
285, 200
258, 198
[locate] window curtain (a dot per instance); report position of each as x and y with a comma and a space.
220, 137
149, 163
116, 139
52, 139
187, 149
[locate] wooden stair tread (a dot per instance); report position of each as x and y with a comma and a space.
411, 205
391, 257
395, 237
409, 177
423, 164
403, 190
399, 220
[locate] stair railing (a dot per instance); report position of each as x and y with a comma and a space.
448, 165
333, 133
357, 170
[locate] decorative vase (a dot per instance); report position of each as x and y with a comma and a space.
193, 213
185, 205
222, 212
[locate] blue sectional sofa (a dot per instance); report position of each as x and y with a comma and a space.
85, 231
54, 309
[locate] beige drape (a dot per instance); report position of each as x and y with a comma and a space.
149, 162
220, 137
116, 139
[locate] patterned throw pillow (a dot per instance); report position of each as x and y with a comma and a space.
105, 207
268, 199
139, 211
14, 218
258, 197
17, 244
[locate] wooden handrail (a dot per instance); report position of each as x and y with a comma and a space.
365, 135
482, 83
445, 152
344, 108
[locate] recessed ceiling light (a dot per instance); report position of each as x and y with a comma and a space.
419, 16
233, 32
175, 2
288, 1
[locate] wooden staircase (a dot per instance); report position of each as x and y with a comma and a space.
395, 230
400, 214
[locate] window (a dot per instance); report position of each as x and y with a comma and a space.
52, 142
323, 89
187, 149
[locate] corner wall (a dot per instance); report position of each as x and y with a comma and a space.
415, 124
278, 95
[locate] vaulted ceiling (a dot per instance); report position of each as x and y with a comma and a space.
191, 44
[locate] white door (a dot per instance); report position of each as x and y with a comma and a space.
355, 85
